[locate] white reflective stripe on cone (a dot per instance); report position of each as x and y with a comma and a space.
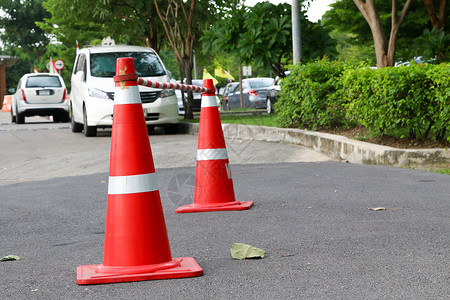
132, 184
127, 95
209, 101
209, 154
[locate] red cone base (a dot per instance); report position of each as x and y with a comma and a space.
235, 205
177, 268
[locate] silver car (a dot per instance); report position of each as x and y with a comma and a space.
273, 92
253, 91
40, 94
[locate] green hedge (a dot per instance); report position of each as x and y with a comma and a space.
311, 96
414, 100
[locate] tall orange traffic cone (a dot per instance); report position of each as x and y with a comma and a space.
213, 183
136, 243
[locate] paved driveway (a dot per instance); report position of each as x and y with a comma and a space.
41, 149
311, 218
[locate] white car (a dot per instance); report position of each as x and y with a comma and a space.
40, 94
92, 94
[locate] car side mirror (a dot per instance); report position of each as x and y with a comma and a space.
12, 90
81, 76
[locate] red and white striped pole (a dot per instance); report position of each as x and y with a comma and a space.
171, 85
136, 243
213, 183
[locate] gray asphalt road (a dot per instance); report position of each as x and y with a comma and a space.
312, 219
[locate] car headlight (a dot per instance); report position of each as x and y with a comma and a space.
96, 93
167, 93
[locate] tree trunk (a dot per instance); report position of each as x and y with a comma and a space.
384, 50
152, 39
438, 23
186, 65
370, 13
182, 45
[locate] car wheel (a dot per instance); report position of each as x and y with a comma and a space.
56, 118
88, 130
150, 128
65, 117
13, 117
76, 127
20, 118
171, 129
269, 106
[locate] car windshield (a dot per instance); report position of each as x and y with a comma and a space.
146, 64
254, 84
43, 81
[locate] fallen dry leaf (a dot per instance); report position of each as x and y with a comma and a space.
377, 208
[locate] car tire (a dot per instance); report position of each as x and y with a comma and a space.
76, 127
56, 117
269, 106
89, 131
13, 117
150, 128
20, 118
171, 129
65, 117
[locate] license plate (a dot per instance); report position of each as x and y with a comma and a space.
44, 93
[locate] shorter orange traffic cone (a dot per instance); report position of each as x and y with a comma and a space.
136, 242
213, 183
7, 103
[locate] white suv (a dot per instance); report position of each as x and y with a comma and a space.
92, 94
40, 94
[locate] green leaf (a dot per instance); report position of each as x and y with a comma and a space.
10, 257
243, 251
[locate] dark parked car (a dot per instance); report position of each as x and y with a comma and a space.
228, 89
273, 93
253, 91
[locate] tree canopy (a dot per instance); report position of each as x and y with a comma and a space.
262, 34
354, 33
21, 36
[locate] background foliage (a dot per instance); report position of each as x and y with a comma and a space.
311, 96
411, 101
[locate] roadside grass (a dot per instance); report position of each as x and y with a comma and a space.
259, 120
441, 171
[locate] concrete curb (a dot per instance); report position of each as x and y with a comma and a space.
334, 146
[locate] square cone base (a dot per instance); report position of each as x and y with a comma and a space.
188, 268
235, 205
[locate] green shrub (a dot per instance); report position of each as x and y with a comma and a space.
407, 101
311, 96
413, 98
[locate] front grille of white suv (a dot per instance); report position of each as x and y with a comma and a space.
146, 97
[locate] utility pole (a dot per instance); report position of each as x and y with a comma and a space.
195, 67
241, 99
296, 34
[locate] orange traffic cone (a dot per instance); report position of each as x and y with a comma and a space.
6, 104
213, 183
136, 243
